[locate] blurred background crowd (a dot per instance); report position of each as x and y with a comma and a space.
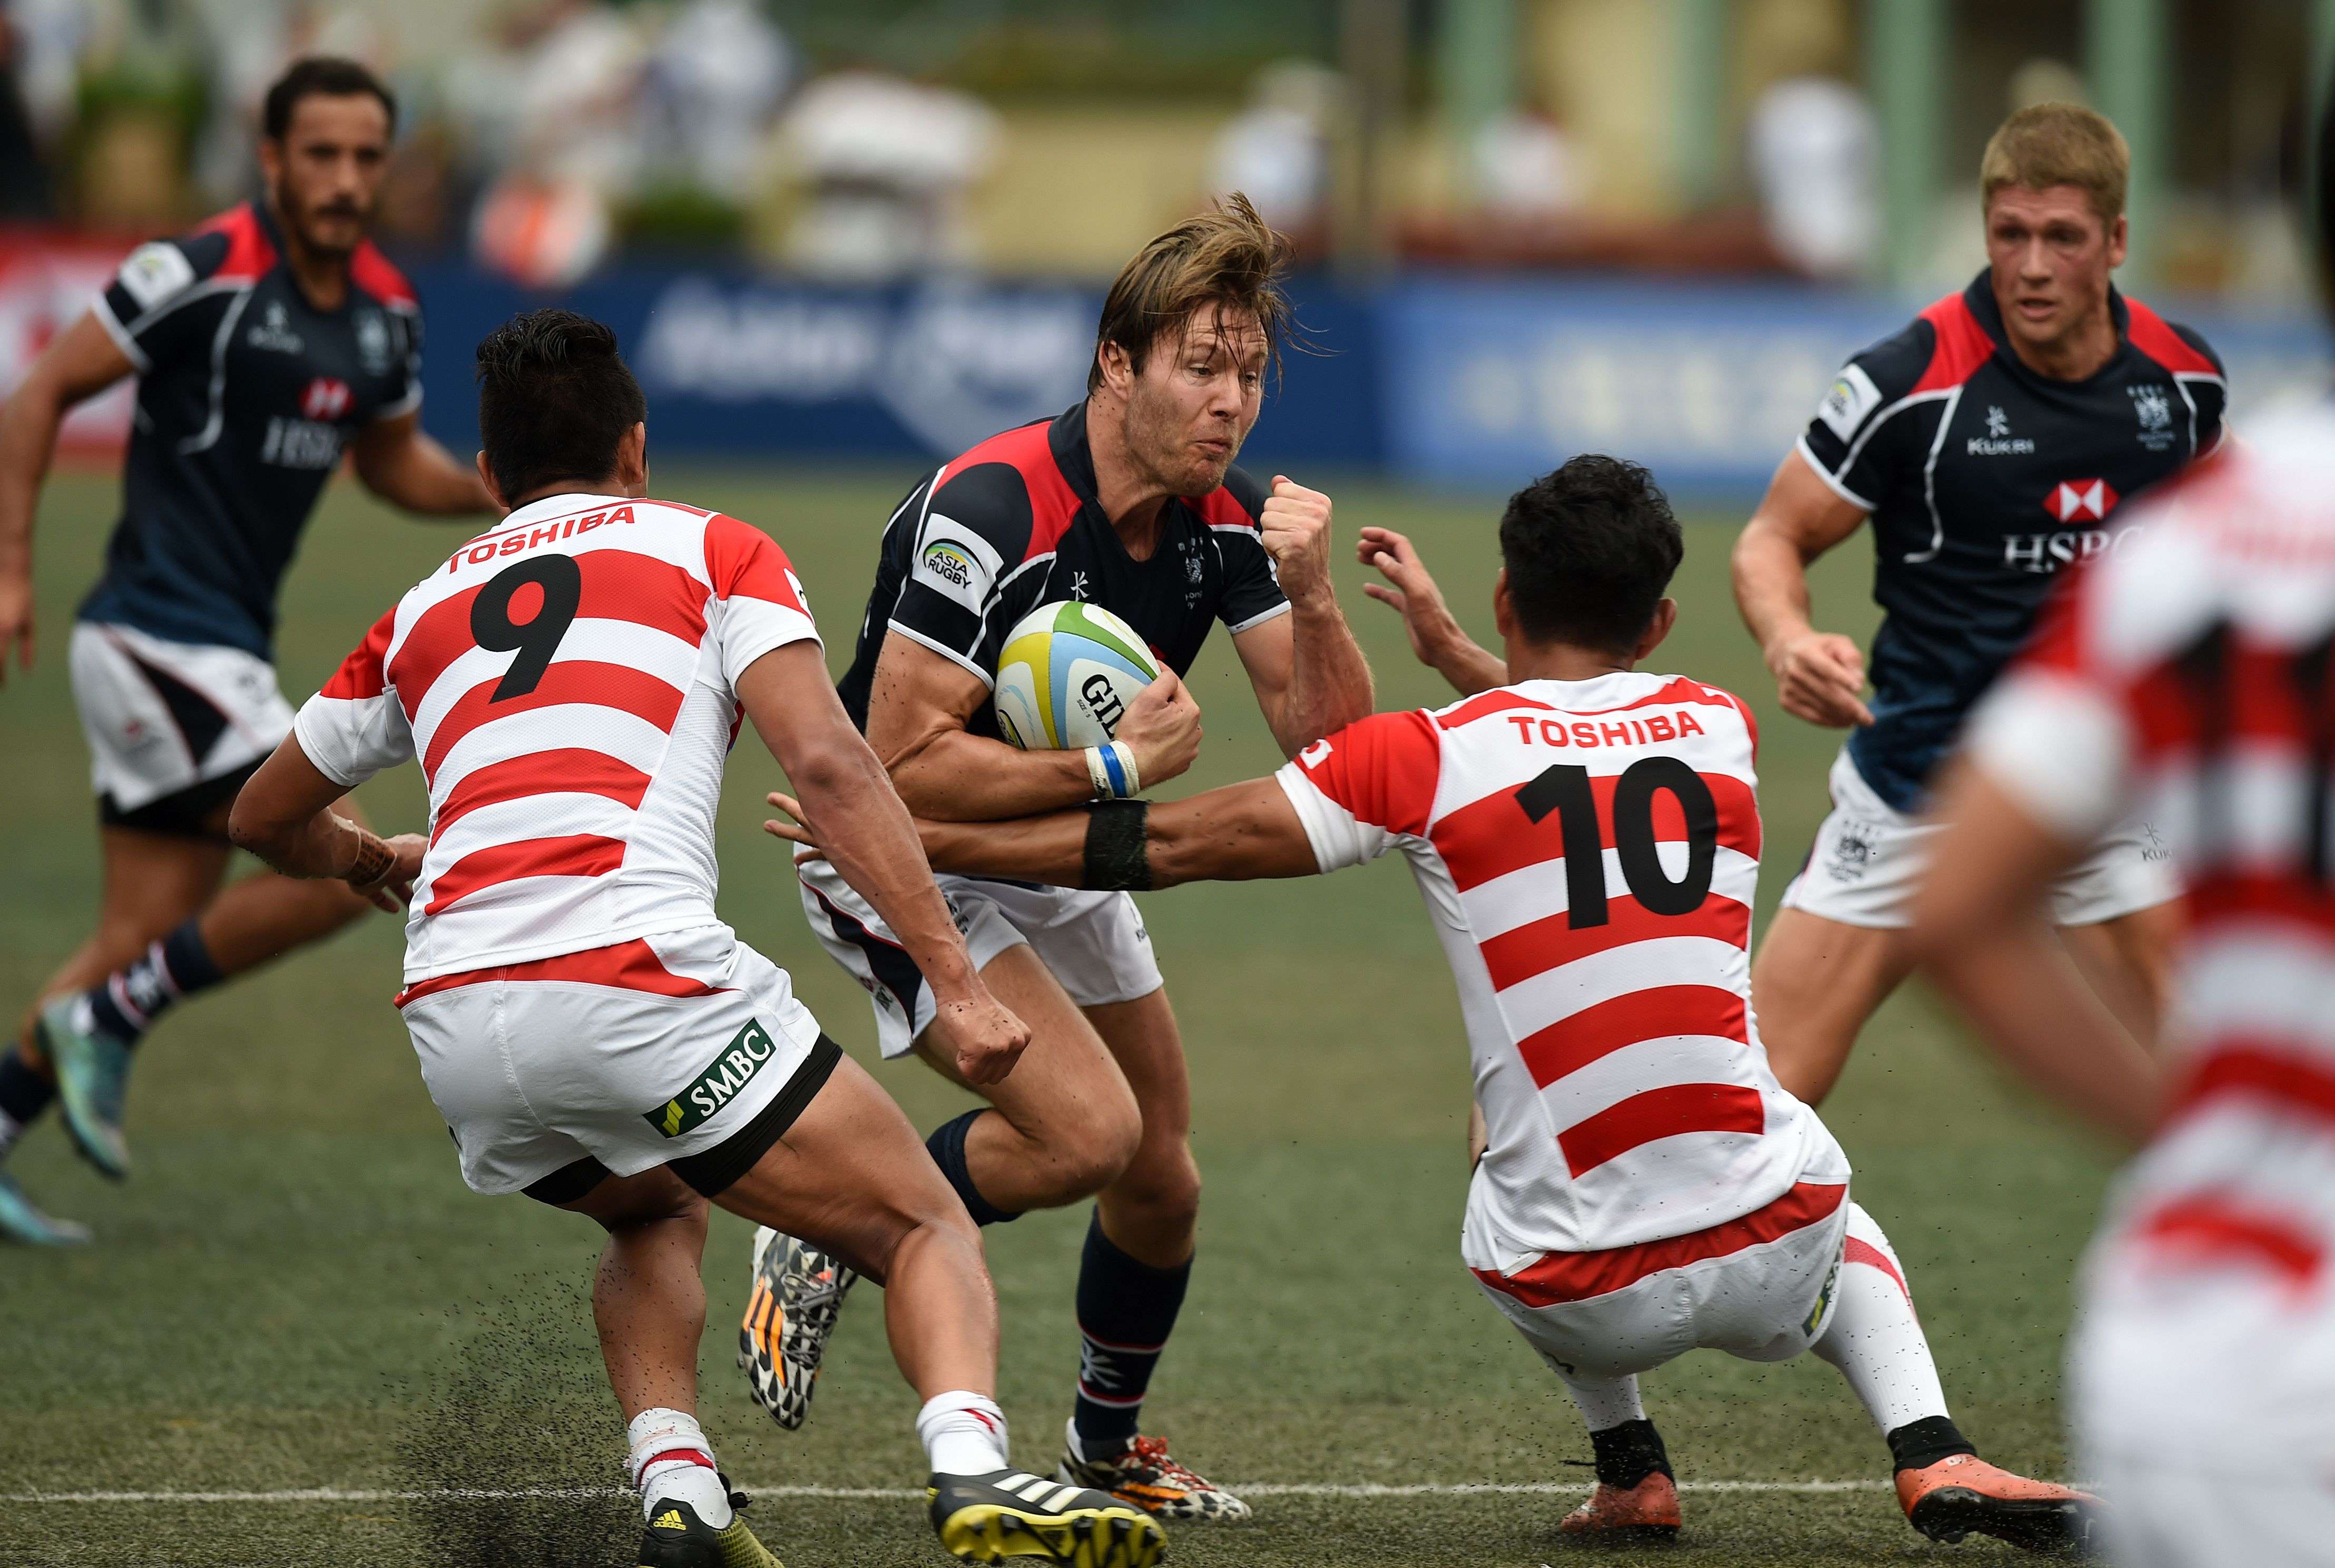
864, 139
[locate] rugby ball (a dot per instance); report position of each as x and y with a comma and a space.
1066, 676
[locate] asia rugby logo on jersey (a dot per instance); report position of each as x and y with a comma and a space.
747, 1052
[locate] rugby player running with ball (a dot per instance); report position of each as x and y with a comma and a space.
1127, 501
266, 343
1586, 838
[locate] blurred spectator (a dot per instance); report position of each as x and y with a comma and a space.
551, 114
888, 163
1527, 171
1815, 158
1276, 149
713, 84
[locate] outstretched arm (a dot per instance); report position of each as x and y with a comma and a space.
1309, 673
408, 468
1239, 833
1435, 637
1819, 675
284, 816
82, 362
866, 831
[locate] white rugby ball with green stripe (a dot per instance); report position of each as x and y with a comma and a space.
1066, 676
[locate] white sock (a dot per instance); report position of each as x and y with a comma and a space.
1605, 1402
963, 1434
1875, 1339
671, 1459
11, 1129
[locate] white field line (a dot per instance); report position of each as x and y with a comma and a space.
903, 1494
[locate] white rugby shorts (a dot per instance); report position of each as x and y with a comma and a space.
163, 717
1869, 858
1094, 943
688, 1049
2201, 1394
1760, 1287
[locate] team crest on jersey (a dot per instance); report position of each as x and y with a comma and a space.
373, 341
2154, 408
274, 332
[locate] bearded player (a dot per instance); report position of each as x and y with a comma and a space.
1588, 837
266, 343
1990, 444
592, 1034
1128, 500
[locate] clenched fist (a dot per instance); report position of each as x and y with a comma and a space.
1296, 525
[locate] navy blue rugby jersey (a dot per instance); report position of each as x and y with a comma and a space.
1983, 480
1014, 524
246, 396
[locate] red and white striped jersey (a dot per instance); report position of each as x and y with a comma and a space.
567, 683
2188, 673
1589, 851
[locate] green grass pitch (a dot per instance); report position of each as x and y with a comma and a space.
295, 1291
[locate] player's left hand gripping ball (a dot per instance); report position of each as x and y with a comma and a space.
1296, 529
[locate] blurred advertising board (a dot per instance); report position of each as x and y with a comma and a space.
1493, 379
745, 367
45, 281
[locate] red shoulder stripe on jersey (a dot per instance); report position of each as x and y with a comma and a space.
1029, 451
1541, 946
1858, 1250
1660, 1113
566, 770
585, 681
2216, 1227
618, 586
378, 276
1383, 769
248, 253
1572, 1043
1961, 345
2153, 335
1493, 837
1220, 508
573, 854
1484, 706
361, 675
627, 966
741, 560
1560, 1277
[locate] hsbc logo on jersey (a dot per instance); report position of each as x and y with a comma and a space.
326, 398
2081, 500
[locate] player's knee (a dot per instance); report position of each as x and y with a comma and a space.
1164, 1184
1095, 1152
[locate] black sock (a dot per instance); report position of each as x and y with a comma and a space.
946, 1147
1126, 1310
23, 1096
1629, 1453
1918, 1444
126, 1003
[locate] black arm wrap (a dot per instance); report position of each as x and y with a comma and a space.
1117, 857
